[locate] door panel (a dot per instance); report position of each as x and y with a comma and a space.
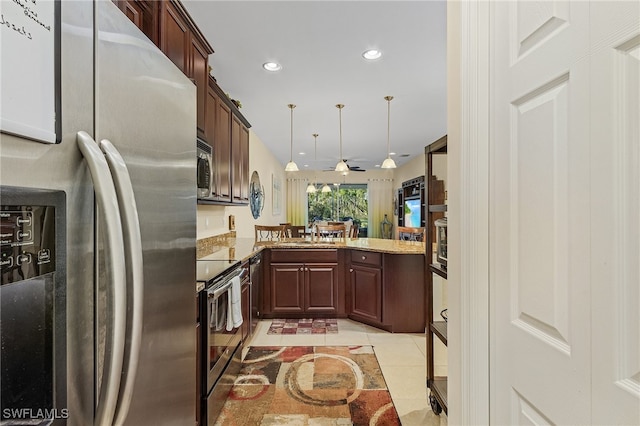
321, 288
615, 231
539, 196
286, 287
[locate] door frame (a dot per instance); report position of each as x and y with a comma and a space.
469, 126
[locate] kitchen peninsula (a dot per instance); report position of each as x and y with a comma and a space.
375, 281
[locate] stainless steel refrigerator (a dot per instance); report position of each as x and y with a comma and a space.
116, 85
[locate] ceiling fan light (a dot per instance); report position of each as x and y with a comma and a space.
291, 167
342, 166
326, 188
388, 164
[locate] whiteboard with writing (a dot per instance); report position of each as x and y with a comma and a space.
28, 69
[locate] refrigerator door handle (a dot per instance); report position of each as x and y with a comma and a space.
107, 201
133, 257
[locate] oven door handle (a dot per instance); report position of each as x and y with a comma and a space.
107, 201
135, 268
214, 293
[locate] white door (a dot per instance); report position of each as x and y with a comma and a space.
615, 212
564, 324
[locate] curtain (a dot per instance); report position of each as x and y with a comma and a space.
380, 193
297, 201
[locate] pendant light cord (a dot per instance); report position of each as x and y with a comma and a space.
291, 106
388, 98
340, 106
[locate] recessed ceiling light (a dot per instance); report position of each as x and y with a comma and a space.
377, 165
306, 165
392, 153
272, 66
372, 54
301, 153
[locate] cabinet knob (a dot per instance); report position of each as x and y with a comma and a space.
301, 269
364, 257
350, 269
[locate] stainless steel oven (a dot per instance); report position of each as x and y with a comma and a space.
222, 350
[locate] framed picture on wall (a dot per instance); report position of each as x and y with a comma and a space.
276, 200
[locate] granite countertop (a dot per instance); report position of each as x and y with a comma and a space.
242, 249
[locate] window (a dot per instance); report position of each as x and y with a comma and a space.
344, 202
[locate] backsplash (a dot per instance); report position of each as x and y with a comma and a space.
207, 245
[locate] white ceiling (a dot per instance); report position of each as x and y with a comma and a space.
319, 44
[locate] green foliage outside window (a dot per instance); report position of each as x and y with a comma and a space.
349, 201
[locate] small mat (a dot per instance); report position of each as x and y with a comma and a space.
304, 326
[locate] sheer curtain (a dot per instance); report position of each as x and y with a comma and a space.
380, 193
297, 201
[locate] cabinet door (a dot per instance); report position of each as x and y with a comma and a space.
175, 36
244, 154
321, 288
198, 60
144, 15
287, 287
366, 293
222, 151
236, 159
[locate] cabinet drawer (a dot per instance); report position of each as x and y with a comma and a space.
366, 258
304, 255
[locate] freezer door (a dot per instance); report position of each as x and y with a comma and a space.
25, 163
146, 108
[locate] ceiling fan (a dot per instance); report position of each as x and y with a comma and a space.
351, 168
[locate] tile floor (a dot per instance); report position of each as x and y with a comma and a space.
401, 357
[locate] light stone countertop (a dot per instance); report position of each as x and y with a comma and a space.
243, 249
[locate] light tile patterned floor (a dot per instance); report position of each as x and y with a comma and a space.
401, 357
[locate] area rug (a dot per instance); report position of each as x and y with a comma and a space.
306, 385
304, 326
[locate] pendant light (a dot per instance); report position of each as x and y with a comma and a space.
311, 188
388, 162
341, 166
326, 188
291, 166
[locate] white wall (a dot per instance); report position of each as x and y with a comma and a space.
214, 220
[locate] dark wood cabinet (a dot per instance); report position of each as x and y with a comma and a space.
287, 287
222, 151
321, 288
366, 293
304, 282
144, 14
240, 160
175, 36
309, 288
387, 290
199, 72
182, 42
218, 120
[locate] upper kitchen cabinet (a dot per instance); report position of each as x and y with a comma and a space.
240, 158
228, 133
144, 14
184, 44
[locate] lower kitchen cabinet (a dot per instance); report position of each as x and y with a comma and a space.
287, 288
304, 283
366, 293
387, 290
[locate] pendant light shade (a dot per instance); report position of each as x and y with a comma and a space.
341, 166
388, 163
291, 166
326, 188
311, 188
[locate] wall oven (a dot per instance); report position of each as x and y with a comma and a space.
222, 350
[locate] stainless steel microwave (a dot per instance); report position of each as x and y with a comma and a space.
205, 171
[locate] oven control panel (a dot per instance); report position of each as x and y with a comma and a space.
27, 242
